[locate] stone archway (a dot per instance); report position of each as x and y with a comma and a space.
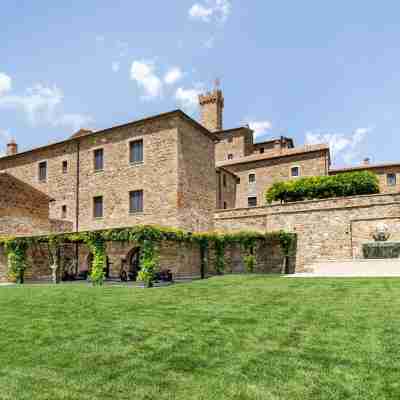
132, 265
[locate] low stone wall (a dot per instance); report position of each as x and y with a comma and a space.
328, 229
184, 260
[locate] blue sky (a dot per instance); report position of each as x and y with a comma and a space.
313, 70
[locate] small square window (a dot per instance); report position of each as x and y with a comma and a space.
252, 201
262, 150
230, 156
65, 167
252, 178
230, 139
225, 205
136, 201
295, 172
64, 212
136, 151
391, 179
98, 207
98, 159
43, 171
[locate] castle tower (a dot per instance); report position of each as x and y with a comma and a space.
211, 110
12, 148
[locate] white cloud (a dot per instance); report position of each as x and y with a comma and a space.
42, 105
5, 83
344, 147
115, 66
173, 75
188, 99
198, 11
74, 121
143, 72
218, 10
259, 127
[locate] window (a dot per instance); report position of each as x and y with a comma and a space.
136, 201
136, 151
261, 150
224, 180
252, 201
225, 205
230, 139
43, 171
65, 167
230, 156
98, 160
98, 207
391, 179
64, 212
295, 172
252, 178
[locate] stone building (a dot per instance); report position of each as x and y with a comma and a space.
171, 170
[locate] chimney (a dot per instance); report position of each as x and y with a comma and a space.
211, 110
12, 148
366, 161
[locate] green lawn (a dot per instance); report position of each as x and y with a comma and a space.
234, 337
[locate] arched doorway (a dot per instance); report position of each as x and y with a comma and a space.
132, 265
106, 269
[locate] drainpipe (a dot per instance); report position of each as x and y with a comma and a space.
77, 203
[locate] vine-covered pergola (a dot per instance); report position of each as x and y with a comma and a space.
148, 237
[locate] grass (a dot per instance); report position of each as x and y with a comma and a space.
234, 337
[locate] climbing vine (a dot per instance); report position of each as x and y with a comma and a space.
96, 243
149, 236
16, 258
149, 263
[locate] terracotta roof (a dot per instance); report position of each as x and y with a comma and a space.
282, 153
362, 167
74, 138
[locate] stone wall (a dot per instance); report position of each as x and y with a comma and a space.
329, 229
177, 175
235, 142
184, 260
61, 187
269, 171
226, 189
196, 180
382, 172
157, 176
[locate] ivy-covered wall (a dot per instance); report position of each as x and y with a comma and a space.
187, 255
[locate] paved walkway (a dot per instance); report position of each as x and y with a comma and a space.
359, 268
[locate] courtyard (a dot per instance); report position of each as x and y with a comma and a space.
230, 337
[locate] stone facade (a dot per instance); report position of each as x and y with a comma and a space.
177, 175
388, 175
24, 210
267, 170
329, 229
226, 188
212, 107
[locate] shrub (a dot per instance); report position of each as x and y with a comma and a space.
321, 187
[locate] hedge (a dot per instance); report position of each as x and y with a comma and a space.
321, 187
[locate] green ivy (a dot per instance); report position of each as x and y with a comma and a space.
96, 243
16, 258
321, 187
149, 236
149, 263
